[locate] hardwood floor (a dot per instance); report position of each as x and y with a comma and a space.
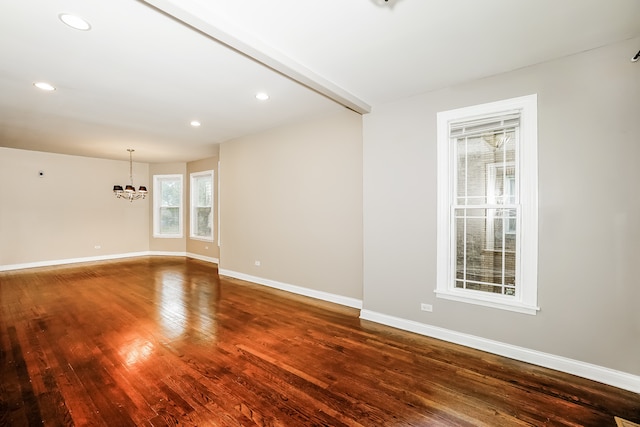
164, 341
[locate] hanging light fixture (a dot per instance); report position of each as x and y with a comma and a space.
129, 193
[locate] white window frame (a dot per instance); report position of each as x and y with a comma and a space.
193, 207
526, 298
157, 198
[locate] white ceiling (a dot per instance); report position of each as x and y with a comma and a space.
149, 67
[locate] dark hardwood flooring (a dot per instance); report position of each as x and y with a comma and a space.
164, 341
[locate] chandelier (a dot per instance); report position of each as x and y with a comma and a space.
129, 193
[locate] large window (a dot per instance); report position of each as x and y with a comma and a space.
487, 204
202, 206
167, 206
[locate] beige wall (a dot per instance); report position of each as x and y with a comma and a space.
70, 210
291, 198
199, 247
589, 232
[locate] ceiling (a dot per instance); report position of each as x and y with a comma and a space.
147, 68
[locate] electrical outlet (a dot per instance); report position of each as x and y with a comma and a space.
426, 307
256, 263
97, 247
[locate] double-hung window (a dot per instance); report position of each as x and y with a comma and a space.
202, 206
487, 205
167, 206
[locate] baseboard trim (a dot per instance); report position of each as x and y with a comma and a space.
601, 374
52, 263
299, 290
203, 258
167, 253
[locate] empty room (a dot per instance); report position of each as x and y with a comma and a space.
339, 213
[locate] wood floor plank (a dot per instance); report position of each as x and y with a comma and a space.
11, 402
165, 341
30, 403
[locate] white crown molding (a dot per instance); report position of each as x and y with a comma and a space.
601, 374
324, 296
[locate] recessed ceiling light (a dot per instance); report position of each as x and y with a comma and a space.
262, 96
44, 86
75, 22
195, 123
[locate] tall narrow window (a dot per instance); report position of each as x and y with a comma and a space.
202, 206
167, 206
487, 204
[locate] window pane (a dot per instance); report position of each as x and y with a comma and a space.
169, 220
203, 222
485, 257
473, 154
170, 192
203, 188
485, 168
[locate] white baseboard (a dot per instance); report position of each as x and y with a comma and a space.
203, 258
166, 253
601, 374
324, 296
51, 263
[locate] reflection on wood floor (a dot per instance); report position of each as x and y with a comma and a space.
164, 341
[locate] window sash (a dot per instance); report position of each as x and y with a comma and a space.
474, 144
168, 206
202, 206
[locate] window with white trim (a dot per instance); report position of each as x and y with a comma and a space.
487, 205
202, 206
167, 206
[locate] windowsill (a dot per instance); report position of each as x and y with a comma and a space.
168, 236
202, 239
480, 298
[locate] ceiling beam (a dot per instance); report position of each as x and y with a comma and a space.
202, 18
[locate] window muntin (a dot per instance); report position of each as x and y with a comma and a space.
167, 200
202, 206
487, 195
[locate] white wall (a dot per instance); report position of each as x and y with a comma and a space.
589, 209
